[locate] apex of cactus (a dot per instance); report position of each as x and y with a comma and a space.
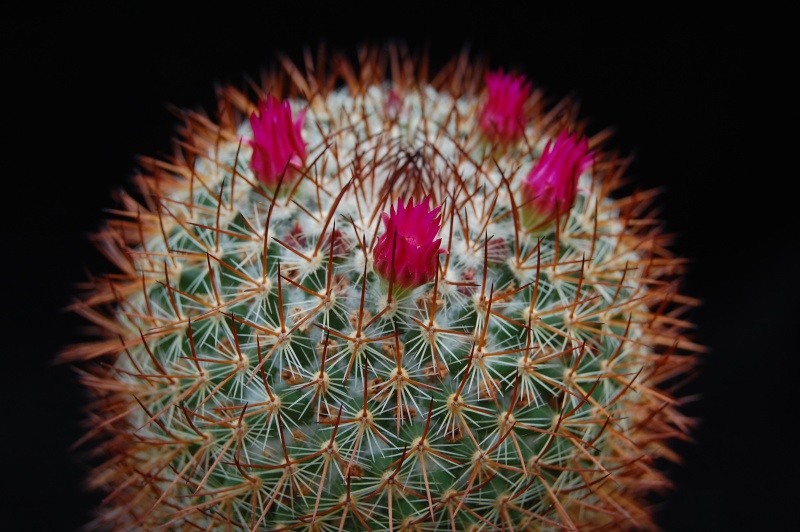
549, 190
406, 254
502, 117
278, 146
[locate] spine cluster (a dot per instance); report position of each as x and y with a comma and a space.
358, 326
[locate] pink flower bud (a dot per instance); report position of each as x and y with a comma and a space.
550, 188
413, 231
502, 118
277, 142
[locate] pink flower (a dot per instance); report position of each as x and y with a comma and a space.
413, 231
277, 142
502, 118
550, 188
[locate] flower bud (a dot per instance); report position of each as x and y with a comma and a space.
406, 254
550, 188
277, 142
502, 118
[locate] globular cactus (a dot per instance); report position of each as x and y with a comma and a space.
364, 297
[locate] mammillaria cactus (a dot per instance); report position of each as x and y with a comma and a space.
391, 302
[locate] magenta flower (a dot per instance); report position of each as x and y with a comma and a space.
277, 142
550, 188
502, 118
413, 231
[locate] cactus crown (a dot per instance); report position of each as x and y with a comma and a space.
256, 370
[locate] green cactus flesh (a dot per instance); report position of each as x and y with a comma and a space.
254, 371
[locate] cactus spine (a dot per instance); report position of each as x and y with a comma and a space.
256, 371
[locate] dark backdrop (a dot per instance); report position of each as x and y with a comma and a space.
686, 92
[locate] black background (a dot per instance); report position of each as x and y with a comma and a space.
688, 93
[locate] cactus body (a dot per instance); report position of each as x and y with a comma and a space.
255, 371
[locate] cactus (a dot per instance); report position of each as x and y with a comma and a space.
364, 297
